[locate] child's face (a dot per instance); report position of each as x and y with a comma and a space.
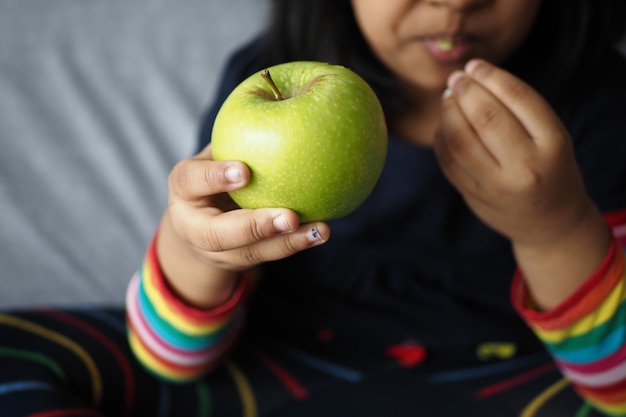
423, 41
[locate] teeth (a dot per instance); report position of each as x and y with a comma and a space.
445, 44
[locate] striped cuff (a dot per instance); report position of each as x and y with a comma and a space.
586, 334
174, 340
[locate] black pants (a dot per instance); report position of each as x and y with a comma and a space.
57, 363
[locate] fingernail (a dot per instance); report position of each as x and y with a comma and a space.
233, 174
281, 224
477, 67
471, 65
454, 78
315, 236
459, 83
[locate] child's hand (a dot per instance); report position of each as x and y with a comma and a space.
505, 150
204, 217
204, 238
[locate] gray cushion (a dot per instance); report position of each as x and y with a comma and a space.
98, 100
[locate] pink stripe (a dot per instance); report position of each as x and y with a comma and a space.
161, 347
609, 377
619, 231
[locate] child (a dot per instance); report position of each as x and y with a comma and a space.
408, 308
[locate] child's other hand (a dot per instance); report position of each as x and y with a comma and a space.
507, 153
205, 218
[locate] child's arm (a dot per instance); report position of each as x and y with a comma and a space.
586, 333
185, 304
509, 156
507, 153
171, 337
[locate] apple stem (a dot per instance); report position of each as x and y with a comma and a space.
268, 78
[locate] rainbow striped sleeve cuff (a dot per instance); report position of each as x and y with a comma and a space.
586, 334
171, 339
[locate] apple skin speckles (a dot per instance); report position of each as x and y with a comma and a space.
319, 151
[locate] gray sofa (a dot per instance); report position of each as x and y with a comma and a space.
98, 100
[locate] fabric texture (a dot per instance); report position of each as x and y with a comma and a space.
78, 363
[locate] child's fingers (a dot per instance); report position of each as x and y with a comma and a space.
218, 232
243, 238
498, 128
522, 100
279, 246
458, 147
193, 179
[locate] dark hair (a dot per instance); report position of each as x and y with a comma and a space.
570, 38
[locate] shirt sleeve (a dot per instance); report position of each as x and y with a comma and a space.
586, 334
171, 339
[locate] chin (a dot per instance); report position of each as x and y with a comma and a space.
436, 86
435, 80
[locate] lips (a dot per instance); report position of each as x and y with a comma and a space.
448, 49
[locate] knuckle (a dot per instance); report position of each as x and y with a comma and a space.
188, 174
474, 187
489, 115
212, 177
290, 244
516, 89
461, 142
249, 255
530, 180
520, 182
210, 240
178, 178
500, 185
255, 229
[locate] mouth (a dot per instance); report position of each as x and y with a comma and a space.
449, 48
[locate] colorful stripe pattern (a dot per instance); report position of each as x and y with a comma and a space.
44, 374
586, 334
79, 363
172, 339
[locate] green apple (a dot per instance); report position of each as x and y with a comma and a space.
313, 135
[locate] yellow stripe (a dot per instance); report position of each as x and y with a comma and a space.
149, 361
594, 319
612, 409
247, 396
63, 341
165, 312
532, 408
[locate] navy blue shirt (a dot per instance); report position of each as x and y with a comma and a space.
413, 263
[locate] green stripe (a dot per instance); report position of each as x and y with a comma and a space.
592, 337
204, 399
35, 357
584, 410
171, 334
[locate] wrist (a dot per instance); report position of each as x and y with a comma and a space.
585, 299
189, 277
554, 269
